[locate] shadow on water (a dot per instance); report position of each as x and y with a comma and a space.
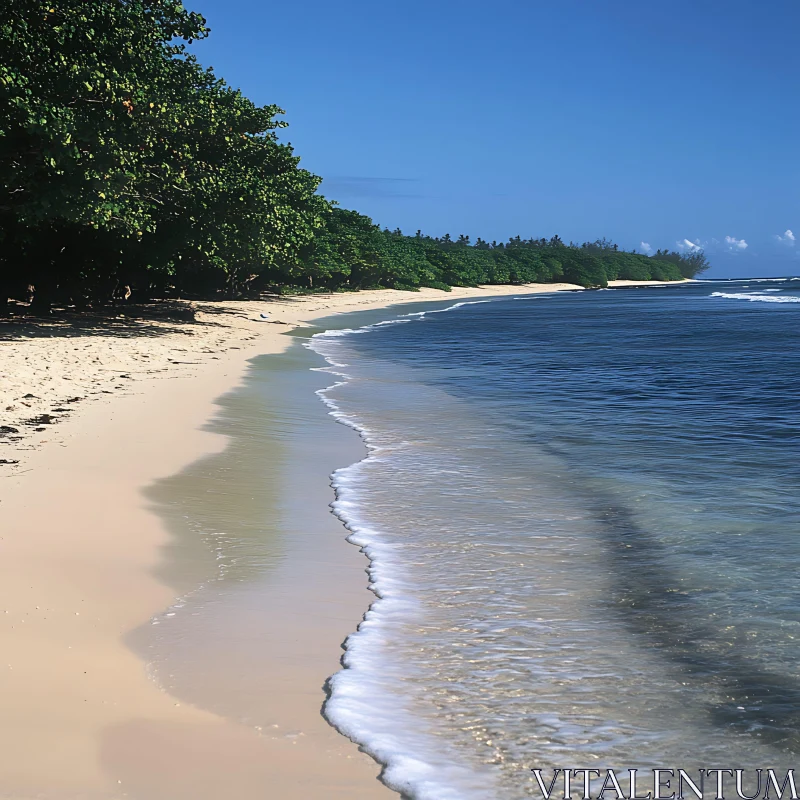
649, 596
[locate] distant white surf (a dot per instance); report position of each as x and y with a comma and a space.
756, 297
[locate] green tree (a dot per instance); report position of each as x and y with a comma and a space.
122, 159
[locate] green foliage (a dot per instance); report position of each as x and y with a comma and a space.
351, 252
122, 160
681, 265
126, 166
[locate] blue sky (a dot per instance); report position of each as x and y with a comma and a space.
642, 121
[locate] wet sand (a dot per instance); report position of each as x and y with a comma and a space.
279, 588
97, 545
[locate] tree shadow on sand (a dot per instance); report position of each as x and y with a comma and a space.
124, 321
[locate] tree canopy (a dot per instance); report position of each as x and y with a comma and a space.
126, 167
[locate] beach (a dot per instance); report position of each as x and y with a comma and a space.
95, 411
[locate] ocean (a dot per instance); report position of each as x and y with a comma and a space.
581, 511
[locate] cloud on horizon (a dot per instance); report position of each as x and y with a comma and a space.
646, 249
730, 244
788, 238
735, 245
688, 244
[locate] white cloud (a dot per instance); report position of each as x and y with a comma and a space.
692, 247
735, 244
787, 238
646, 249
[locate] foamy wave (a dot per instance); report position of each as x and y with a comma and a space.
399, 320
441, 310
364, 703
744, 280
333, 334
753, 297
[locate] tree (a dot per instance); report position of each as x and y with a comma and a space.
122, 159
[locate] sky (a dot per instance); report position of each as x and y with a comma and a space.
670, 124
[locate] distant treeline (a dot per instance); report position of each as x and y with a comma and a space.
128, 170
351, 252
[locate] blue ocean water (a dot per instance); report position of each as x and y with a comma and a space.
582, 514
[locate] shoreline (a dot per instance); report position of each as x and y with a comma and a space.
49, 367
82, 547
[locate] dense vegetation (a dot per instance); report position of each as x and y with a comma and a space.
128, 169
351, 252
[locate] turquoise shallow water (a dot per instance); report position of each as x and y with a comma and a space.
582, 511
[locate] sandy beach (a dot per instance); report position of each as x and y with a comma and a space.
93, 411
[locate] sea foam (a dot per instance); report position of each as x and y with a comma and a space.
364, 703
754, 297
